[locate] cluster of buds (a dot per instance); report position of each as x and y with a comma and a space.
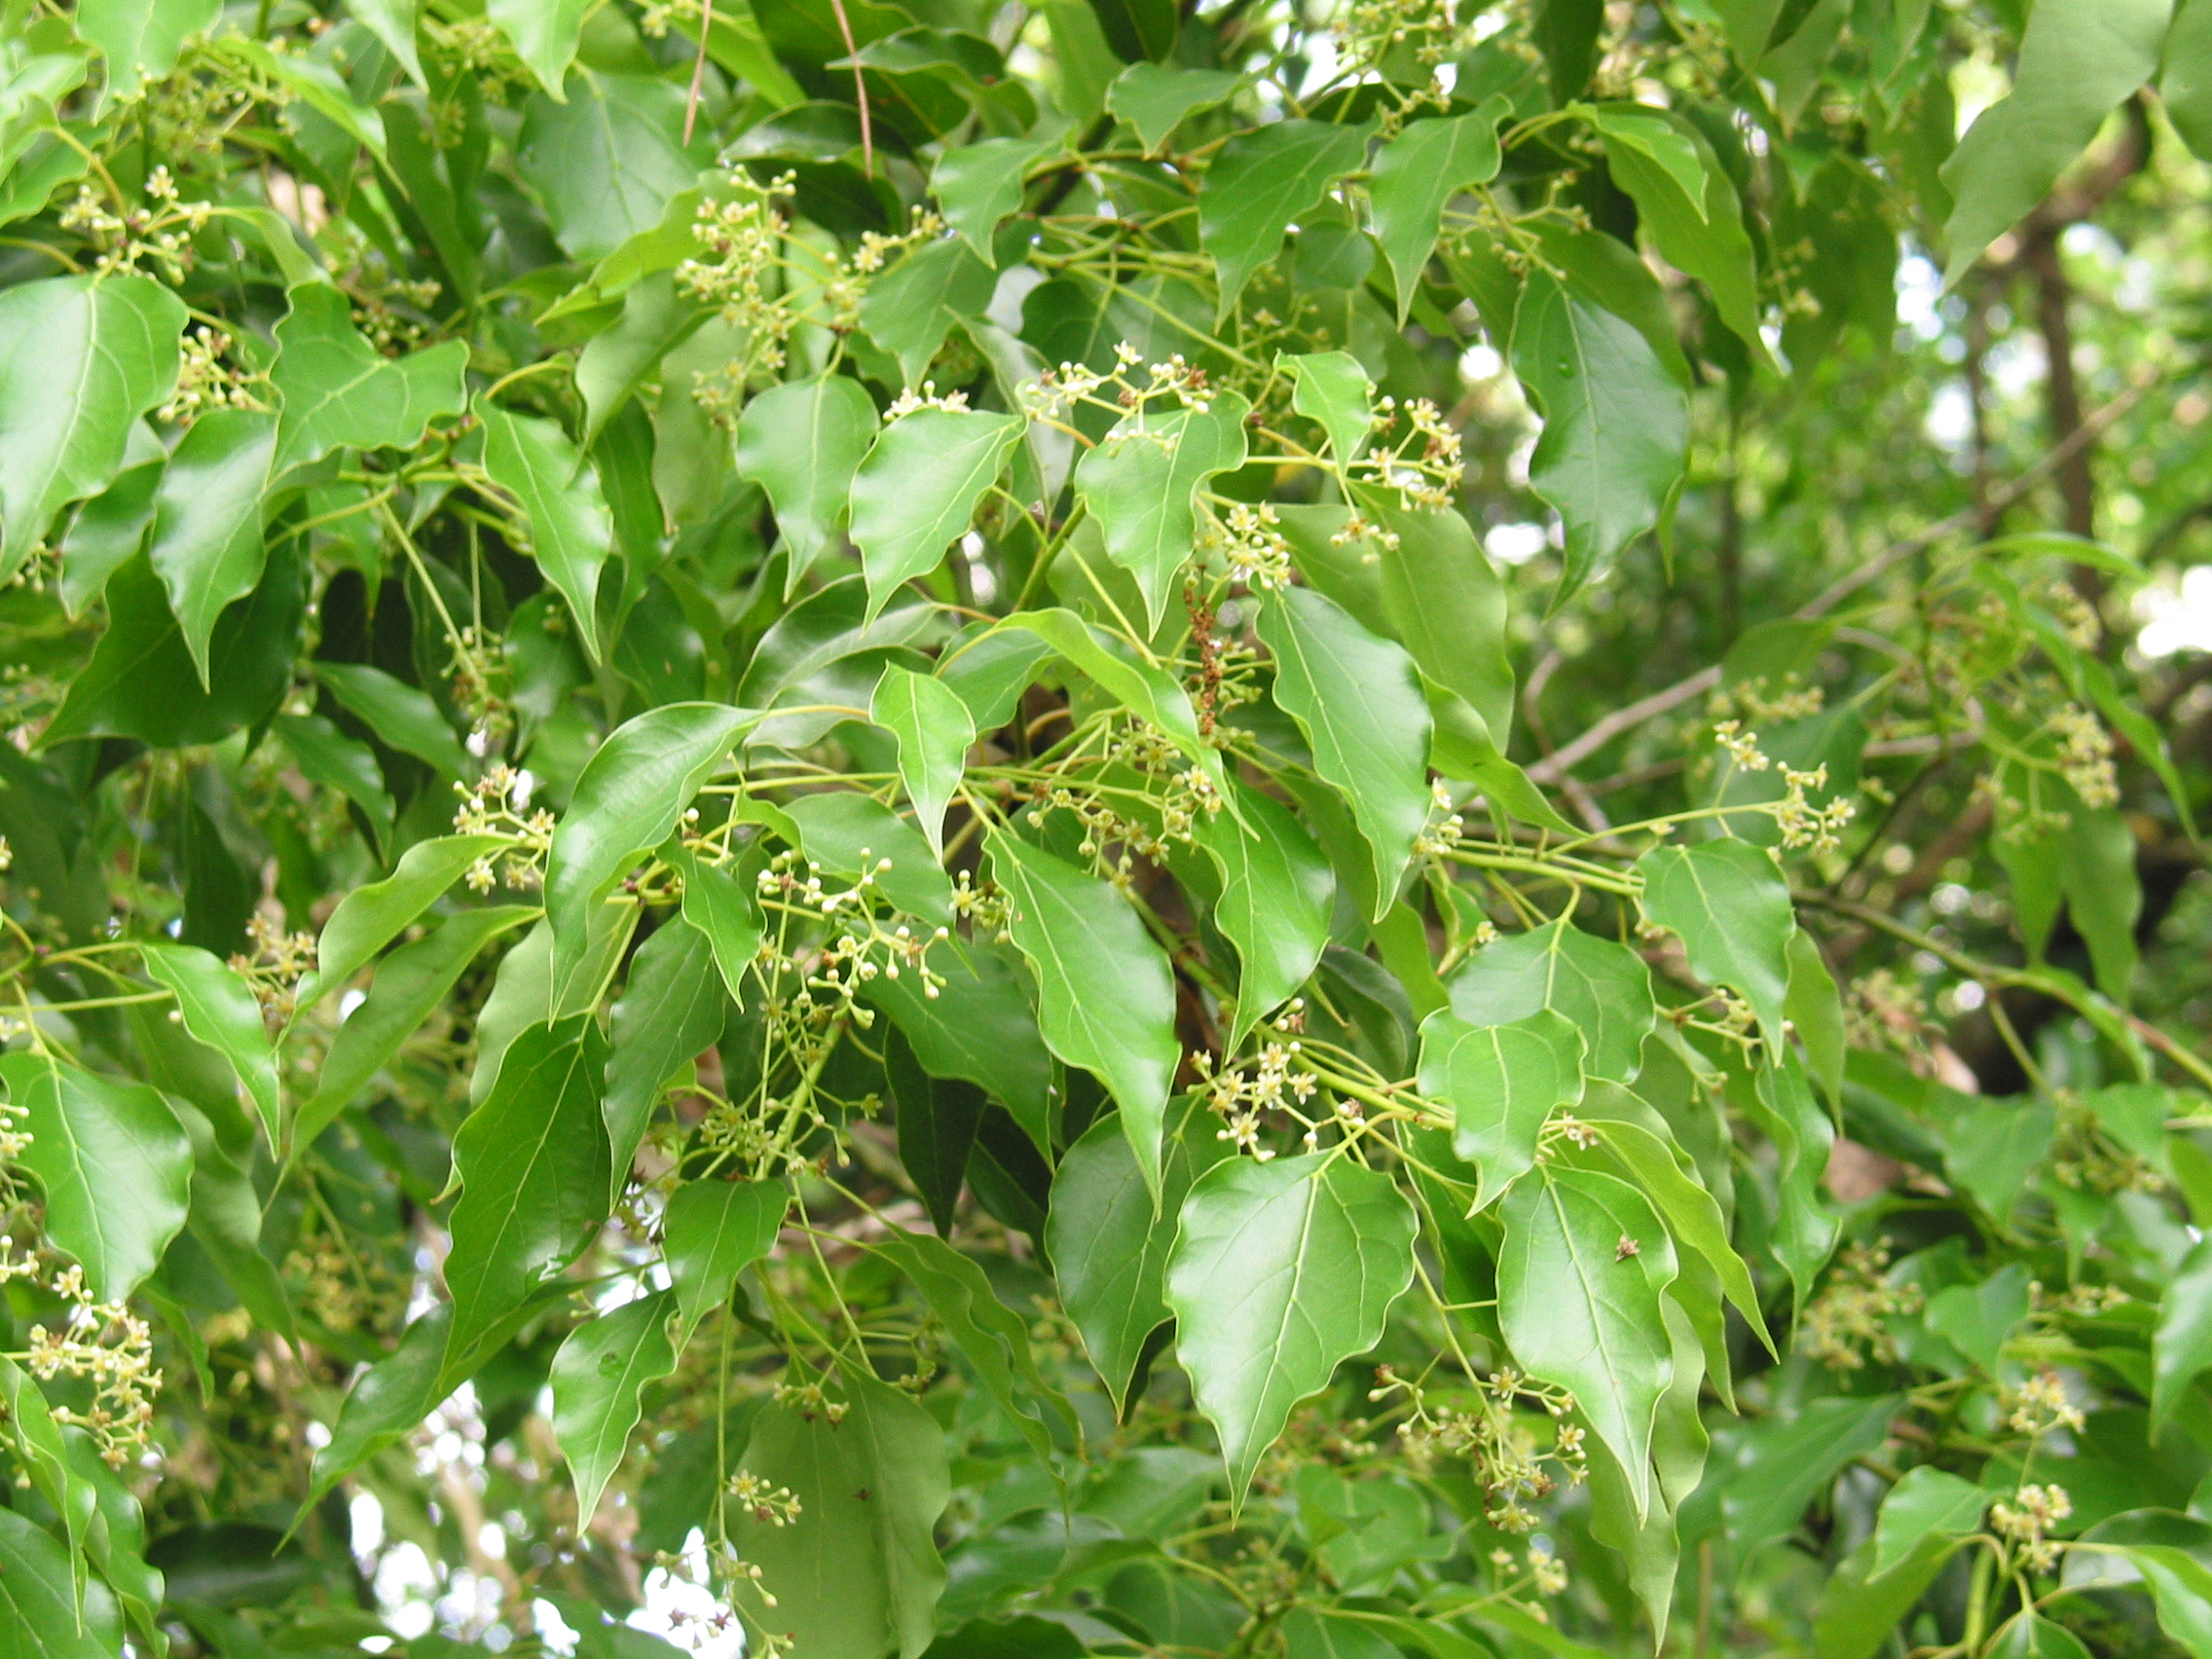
274, 967
1742, 745
106, 1345
810, 1402
481, 681
2027, 1518
1502, 1451
1243, 1094
497, 804
161, 233
2085, 756
1427, 464
2079, 1300
1804, 825
1752, 699
1446, 824
769, 1504
203, 381
1251, 545
1846, 1324
1884, 1012
2040, 1405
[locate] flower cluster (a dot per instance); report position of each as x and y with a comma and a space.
1251, 545
1845, 1324
2040, 1405
495, 805
104, 1344
1425, 464
1243, 1094
1446, 824
1804, 825
274, 967
2027, 1519
160, 234
1501, 1450
767, 1502
203, 381
2085, 756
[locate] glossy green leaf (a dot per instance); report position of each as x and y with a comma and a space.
672, 1009
1928, 1503
226, 1220
1140, 685
1687, 204
392, 21
1581, 1309
84, 358
403, 716
1444, 604
727, 912
544, 33
597, 1377
1815, 1011
937, 1118
532, 1162
619, 361
979, 1027
934, 733
1602, 988
1615, 425
1332, 388
1280, 1272
847, 835
912, 307
409, 985
1417, 173
2185, 74
1804, 1227
208, 545
1729, 906
2182, 1587
609, 158
2030, 1636
219, 1009
1156, 99
1276, 894
1139, 483
1110, 1243
38, 1610
112, 525
570, 533
328, 758
1502, 1084
371, 917
991, 1337
801, 441
916, 492
338, 389
1358, 700
141, 39
1257, 186
2079, 58
711, 1231
386, 1400
1976, 1318
115, 1165
977, 185
1105, 994
861, 1573
626, 803
2182, 1346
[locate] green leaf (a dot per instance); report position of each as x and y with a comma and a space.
1804, 1229
672, 1009
1616, 425
1280, 1272
1260, 183
801, 442
858, 1573
912, 307
626, 803
219, 1009
35, 1441
112, 525
402, 716
545, 34
1139, 684
392, 21
207, 545
371, 917
2079, 58
848, 835
570, 531
386, 1400
1359, 702
1502, 1084
979, 1026
608, 159
1139, 482
977, 185
1603, 988
723, 908
1105, 994
38, 1610
85, 358
338, 389
1686, 202
992, 1338
1859, 1610
1109, 1243
1417, 173
1156, 99
532, 1162
712, 1232
936, 1123
142, 682
115, 1164
1332, 388
1976, 1318
1276, 894
934, 733
226, 1220
1444, 604
2027, 1635
1786, 1461
2184, 76
1927, 1503
1729, 906
1583, 1310
1992, 1146
2182, 1587
2182, 1346
327, 756
655, 319
916, 490
409, 986
1815, 1011
142, 38
599, 1375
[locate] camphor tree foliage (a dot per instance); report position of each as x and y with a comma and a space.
857, 826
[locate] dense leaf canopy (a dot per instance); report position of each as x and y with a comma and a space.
1322, 828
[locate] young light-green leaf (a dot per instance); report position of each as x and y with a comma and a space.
1502, 1083
1139, 483
977, 185
571, 533
1358, 700
1417, 174
1928, 1503
712, 1232
219, 1009
1257, 186
916, 490
1280, 1272
1105, 994
1156, 99
599, 1375
728, 914
1729, 906
338, 389
801, 441
934, 733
